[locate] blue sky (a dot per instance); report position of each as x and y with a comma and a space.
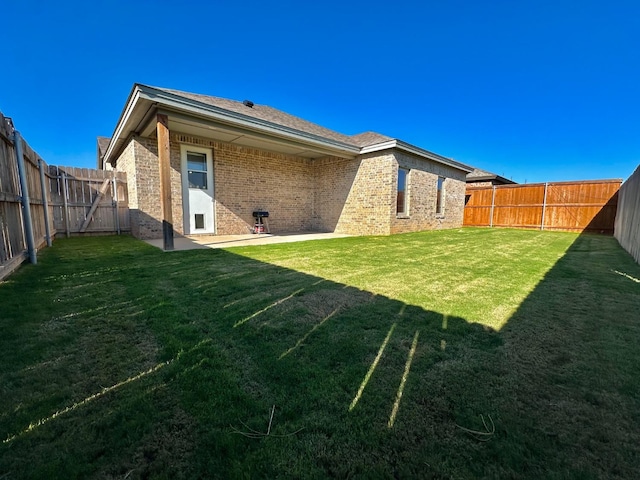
532, 90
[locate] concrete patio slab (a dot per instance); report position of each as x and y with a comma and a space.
192, 242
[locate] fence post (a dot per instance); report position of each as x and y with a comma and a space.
45, 202
544, 205
493, 197
65, 194
115, 204
24, 190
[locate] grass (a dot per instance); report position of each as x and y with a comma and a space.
379, 354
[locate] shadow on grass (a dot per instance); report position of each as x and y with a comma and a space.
233, 338
363, 385
570, 396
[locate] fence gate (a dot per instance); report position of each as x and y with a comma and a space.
61, 200
88, 201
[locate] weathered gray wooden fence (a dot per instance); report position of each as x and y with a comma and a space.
627, 226
39, 201
88, 201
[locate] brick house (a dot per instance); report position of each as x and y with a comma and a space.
225, 159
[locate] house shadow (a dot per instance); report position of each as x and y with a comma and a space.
548, 391
566, 371
366, 385
345, 367
555, 390
603, 221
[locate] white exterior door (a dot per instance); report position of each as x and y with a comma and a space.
197, 189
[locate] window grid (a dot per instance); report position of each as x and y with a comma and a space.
197, 170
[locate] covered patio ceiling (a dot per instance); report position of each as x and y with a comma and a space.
206, 128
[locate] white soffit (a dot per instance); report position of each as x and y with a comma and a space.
200, 131
184, 124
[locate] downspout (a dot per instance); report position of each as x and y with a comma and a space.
26, 205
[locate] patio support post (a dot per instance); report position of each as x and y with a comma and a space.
165, 180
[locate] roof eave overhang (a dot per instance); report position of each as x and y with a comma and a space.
486, 178
143, 99
483, 178
116, 138
420, 152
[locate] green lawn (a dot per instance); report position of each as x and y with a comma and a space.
470, 353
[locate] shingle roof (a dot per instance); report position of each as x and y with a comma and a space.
103, 143
478, 175
258, 118
366, 139
265, 112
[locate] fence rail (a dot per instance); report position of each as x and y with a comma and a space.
627, 226
64, 200
571, 206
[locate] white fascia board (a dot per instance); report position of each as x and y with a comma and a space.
379, 146
433, 156
172, 101
420, 152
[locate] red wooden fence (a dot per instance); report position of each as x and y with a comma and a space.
571, 206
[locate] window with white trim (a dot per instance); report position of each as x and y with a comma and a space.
197, 170
401, 204
440, 196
